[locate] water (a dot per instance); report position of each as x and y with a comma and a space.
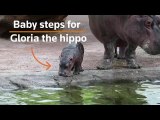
142, 93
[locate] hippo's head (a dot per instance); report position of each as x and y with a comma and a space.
144, 31
66, 64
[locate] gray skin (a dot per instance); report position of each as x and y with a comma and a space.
71, 58
135, 30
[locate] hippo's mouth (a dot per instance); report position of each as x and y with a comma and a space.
64, 75
146, 48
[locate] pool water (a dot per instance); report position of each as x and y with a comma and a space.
141, 93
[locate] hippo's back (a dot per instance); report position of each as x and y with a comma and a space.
106, 25
75, 48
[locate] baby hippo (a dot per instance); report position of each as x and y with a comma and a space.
71, 59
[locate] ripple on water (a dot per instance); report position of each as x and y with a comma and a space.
151, 91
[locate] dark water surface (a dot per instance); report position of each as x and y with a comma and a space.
142, 93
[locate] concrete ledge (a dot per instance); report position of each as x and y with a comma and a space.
109, 76
40, 80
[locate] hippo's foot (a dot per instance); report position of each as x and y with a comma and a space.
81, 69
76, 72
133, 65
105, 65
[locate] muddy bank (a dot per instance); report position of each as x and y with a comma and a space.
19, 70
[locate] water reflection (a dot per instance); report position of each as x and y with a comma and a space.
71, 95
118, 94
151, 91
99, 94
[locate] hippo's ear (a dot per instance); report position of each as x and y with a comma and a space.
148, 21
61, 55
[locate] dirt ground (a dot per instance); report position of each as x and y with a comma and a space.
17, 63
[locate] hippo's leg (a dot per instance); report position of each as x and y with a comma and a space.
81, 69
130, 56
80, 66
108, 57
121, 54
80, 63
77, 69
72, 68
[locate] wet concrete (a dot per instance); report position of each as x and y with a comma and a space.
19, 70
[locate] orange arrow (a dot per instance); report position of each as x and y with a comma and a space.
47, 64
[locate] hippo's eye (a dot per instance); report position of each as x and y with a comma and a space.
70, 59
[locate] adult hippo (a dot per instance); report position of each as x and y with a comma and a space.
135, 30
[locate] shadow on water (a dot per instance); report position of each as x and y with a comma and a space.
99, 94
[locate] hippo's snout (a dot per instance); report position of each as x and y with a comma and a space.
151, 49
146, 48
